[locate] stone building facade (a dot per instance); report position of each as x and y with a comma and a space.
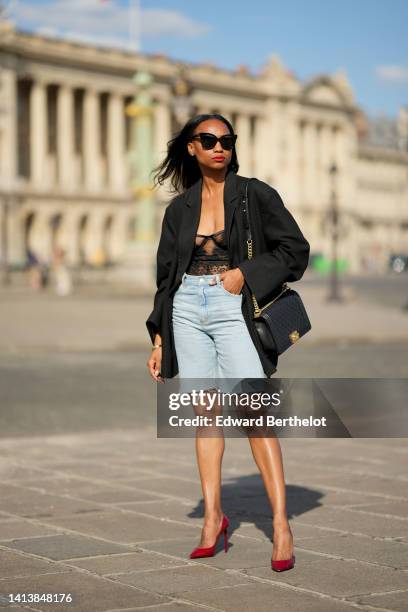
65, 141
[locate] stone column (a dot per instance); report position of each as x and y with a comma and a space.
271, 138
69, 234
315, 164
38, 132
39, 239
318, 165
118, 235
161, 135
162, 129
15, 232
93, 244
340, 156
292, 170
8, 142
116, 143
65, 137
326, 160
260, 149
346, 147
91, 135
243, 129
308, 161
10, 218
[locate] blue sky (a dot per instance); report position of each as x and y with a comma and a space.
366, 38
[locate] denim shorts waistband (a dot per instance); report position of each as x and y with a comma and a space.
199, 279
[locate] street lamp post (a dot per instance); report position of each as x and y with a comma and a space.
334, 293
182, 103
141, 158
138, 261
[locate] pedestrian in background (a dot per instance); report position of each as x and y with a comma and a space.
35, 271
61, 273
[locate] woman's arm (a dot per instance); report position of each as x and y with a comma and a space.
164, 258
288, 250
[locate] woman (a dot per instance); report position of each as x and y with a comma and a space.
202, 321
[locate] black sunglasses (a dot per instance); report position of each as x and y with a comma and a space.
208, 141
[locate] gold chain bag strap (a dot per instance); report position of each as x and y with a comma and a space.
283, 320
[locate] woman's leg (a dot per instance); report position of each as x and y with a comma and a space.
239, 359
268, 457
209, 451
197, 359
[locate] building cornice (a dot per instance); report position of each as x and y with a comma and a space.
34, 51
371, 152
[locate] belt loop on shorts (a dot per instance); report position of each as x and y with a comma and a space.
217, 278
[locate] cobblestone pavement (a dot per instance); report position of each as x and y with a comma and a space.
110, 517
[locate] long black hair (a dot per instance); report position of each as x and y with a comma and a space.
179, 165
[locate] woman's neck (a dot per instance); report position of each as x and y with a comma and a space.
213, 182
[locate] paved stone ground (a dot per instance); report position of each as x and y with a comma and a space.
93, 504
110, 517
113, 318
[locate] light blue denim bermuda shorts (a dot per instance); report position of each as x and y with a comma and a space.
210, 333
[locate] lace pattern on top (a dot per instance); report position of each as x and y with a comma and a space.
210, 254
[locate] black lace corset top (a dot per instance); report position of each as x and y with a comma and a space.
210, 254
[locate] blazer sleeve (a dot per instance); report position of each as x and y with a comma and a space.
165, 254
287, 254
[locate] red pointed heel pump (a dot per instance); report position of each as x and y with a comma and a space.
283, 564
210, 550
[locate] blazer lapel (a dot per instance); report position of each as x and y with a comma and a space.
189, 221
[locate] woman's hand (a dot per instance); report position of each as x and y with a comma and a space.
233, 280
154, 364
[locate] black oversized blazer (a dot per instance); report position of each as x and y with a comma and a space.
280, 253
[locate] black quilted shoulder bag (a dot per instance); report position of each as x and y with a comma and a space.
282, 321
